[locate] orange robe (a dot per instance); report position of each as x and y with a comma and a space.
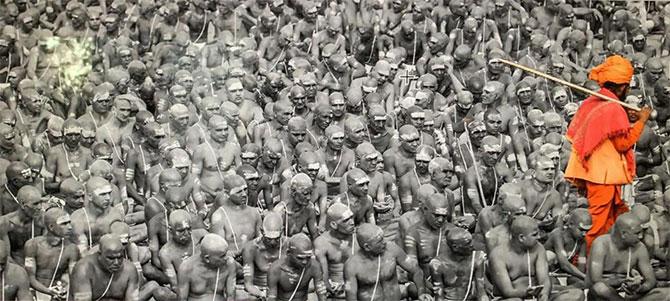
603, 159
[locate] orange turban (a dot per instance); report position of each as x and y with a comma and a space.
615, 69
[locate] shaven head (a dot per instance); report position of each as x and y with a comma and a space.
371, 239
301, 181
110, 243
355, 175
641, 212
522, 225
337, 212
272, 225
100, 168
408, 130
300, 244
425, 191
578, 222
233, 181
70, 186
34, 161
213, 243
169, 175
28, 192
511, 199
297, 123
55, 216
179, 217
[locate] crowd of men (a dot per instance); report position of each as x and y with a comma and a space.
330, 150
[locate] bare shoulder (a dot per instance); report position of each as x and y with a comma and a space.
18, 273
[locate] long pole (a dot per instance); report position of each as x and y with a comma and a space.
569, 84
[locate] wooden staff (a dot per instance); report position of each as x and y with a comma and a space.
569, 84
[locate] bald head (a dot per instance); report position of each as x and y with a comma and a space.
407, 130
297, 123
169, 175
511, 199
96, 183
179, 217
70, 186
299, 244
581, 218
523, 225
301, 181
55, 216
641, 212
272, 225
110, 243
457, 235
212, 243
366, 232
233, 181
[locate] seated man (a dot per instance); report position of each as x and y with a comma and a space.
289, 278
234, 220
182, 244
299, 212
618, 264
334, 247
367, 278
519, 266
50, 256
14, 278
426, 238
94, 220
458, 272
17, 227
568, 245
210, 275
105, 275
260, 253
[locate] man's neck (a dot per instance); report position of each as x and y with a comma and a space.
70, 148
539, 186
95, 210
405, 153
438, 185
23, 217
331, 151
516, 247
338, 235
617, 241
53, 240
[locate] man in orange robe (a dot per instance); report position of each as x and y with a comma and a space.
602, 157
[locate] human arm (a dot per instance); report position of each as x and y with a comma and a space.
563, 261
169, 269
411, 265
351, 279
311, 224
131, 168
31, 268
154, 242
50, 181
248, 254
230, 280
184, 280
645, 269
273, 279
132, 292
317, 276
623, 143
500, 277
471, 189
542, 272
80, 285
595, 265
23, 285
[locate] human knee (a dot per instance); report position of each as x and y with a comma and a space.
600, 290
570, 295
